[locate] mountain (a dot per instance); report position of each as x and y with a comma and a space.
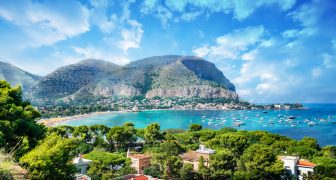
69, 79
163, 76
16, 76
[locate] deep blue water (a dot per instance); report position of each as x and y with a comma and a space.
275, 121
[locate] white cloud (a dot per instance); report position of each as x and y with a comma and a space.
46, 23
131, 37
232, 45
241, 9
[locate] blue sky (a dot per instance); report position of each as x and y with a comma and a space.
272, 50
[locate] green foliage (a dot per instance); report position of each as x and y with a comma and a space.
309, 142
195, 127
153, 171
259, 161
108, 165
326, 167
153, 133
122, 136
99, 129
203, 170
235, 142
17, 120
222, 165
170, 148
51, 159
187, 172
302, 151
172, 166
82, 132
329, 151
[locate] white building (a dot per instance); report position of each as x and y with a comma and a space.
279, 106
81, 164
203, 150
297, 167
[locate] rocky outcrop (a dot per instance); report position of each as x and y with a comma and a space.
164, 76
204, 91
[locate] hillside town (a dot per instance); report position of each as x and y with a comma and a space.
72, 107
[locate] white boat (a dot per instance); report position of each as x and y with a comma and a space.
312, 123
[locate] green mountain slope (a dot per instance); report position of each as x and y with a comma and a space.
16, 76
163, 76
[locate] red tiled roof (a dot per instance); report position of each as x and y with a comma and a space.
139, 156
306, 163
141, 177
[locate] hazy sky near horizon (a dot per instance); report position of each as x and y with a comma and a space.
272, 50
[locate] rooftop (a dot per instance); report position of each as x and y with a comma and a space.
80, 160
139, 156
306, 163
193, 156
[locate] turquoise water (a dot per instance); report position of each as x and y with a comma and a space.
275, 121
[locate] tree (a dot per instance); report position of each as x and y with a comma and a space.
172, 165
329, 151
51, 159
187, 172
309, 142
17, 121
222, 165
99, 130
153, 133
261, 163
302, 151
153, 171
326, 167
83, 132
195, 127
203, 170
108, 165
170, 148
122, 136
236, 143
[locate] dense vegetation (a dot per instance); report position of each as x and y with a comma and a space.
47, 153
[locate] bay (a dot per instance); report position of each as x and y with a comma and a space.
274, 121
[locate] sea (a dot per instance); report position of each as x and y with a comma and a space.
317, 120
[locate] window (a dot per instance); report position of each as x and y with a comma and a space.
298, 172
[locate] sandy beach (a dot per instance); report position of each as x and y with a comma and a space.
52, 121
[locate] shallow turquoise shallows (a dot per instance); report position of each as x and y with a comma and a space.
318, 121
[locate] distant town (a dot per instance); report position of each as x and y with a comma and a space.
139, 103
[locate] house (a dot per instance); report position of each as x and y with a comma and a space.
279, 106
81, 164
137, 177
297, 167
193, 157
203, 150
82, 177
139, 161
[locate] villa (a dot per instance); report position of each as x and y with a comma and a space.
193, 157
297, 167
139, 161
81, 165
203, 150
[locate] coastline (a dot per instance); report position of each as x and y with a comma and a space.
49, 122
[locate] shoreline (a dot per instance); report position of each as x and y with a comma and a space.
49, 122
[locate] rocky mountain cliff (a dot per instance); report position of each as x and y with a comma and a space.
163, 76
16, 76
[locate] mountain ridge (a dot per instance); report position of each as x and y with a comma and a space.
17, 76
162, 76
